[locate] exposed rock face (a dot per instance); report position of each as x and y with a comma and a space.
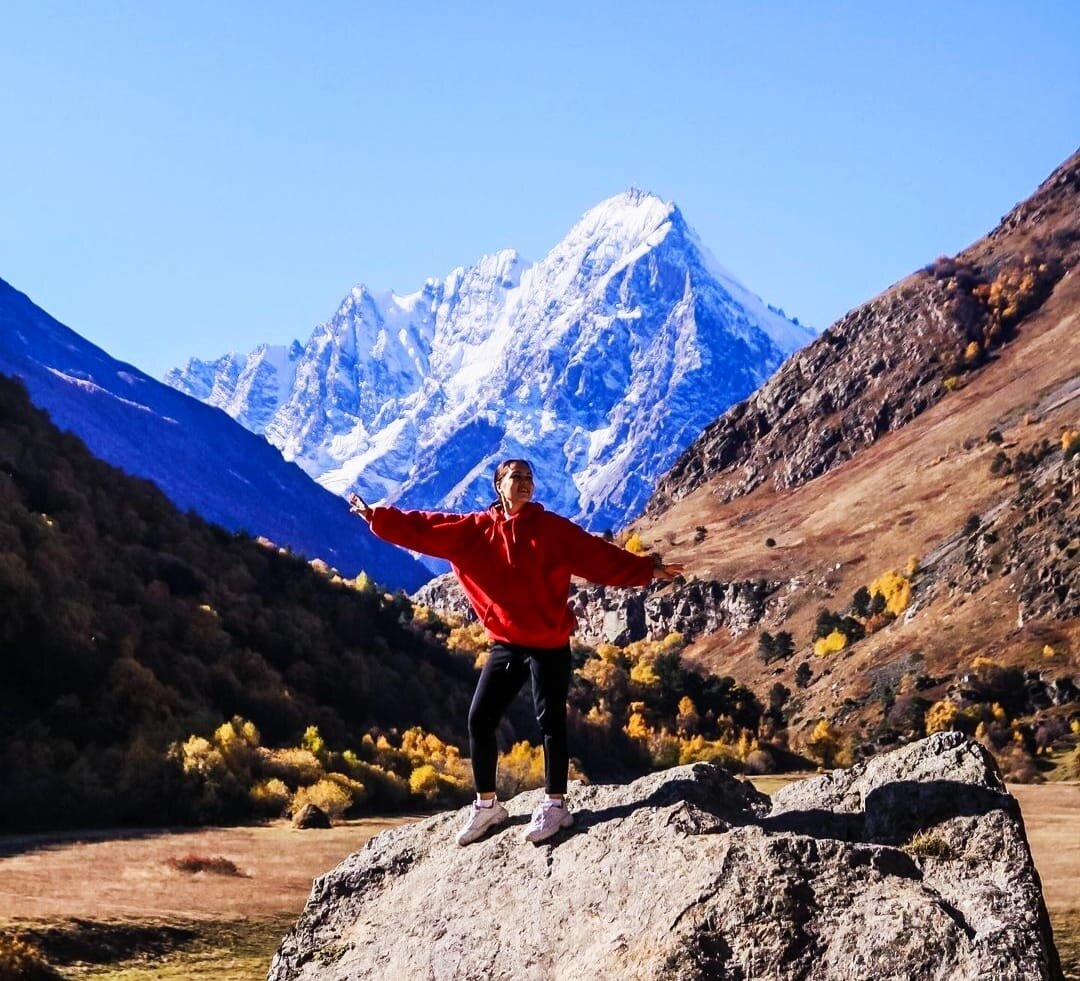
621, 616
1034, 534
686, 874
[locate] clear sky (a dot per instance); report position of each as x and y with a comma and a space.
189, 178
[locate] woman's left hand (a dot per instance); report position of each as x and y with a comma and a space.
668, 572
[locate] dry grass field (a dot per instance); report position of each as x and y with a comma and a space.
111, 906
114, 906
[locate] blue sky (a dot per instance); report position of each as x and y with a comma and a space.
190, 178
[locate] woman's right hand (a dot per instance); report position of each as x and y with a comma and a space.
357, 505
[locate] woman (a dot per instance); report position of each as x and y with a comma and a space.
514, 562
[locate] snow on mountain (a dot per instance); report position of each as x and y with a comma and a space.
600, 364
197, 455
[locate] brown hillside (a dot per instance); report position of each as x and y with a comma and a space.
871, 446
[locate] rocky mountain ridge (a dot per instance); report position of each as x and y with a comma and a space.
961, 496
887, 361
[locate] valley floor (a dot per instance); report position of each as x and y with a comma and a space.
111, 906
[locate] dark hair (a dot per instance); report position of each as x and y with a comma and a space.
501, 471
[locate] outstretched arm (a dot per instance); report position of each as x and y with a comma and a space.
608, 564
430, 532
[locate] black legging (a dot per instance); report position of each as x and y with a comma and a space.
501, 679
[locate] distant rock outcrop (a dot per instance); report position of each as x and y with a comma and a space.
311, 816
621, 616
913, 864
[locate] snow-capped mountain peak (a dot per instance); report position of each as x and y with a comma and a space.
599, 363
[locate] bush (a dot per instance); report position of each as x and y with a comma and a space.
270, 798
824, 744
1017, 766
942, 716
827, 622
327, 795
520, 768
213, 864
22, 961
777, 648
860, 602
896, 590
928, 844
834, 642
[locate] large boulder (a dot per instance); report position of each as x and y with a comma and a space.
911, 865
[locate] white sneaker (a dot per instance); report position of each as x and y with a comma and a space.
547, 819
480, 820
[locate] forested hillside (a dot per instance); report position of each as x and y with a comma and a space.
126, 626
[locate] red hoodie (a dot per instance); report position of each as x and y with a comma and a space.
516, 570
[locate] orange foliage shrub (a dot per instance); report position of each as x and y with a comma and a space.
328, 795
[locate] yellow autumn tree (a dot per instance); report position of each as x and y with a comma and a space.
830, 644
470, 639
824, 743
941, 716
636, 727
895, 588
698, 749
520, 768
604, 675
642, 673
327, 795
687, 719
270, 797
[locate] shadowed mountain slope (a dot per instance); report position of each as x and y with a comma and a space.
202, 459
126, 625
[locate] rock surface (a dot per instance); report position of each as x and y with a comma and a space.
914, 864
311, 816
